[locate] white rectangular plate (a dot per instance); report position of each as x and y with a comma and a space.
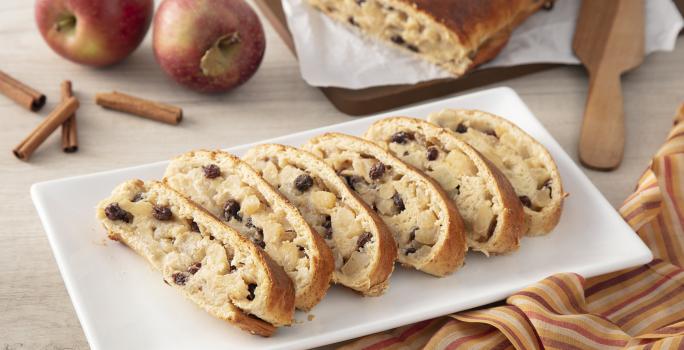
123, 304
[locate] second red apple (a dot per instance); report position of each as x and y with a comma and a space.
208, 45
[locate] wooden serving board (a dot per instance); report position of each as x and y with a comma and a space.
380, 98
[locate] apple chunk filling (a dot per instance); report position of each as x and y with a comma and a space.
345, 233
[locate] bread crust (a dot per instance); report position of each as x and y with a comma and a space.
510, 224
321, 264
448, 253
538, 222
276, 306
376, 278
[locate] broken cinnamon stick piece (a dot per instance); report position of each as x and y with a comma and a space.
140, 107
22, 94
69, 129
56, 118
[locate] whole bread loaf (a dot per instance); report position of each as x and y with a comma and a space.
454, 34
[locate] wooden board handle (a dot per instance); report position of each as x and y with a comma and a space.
602, 138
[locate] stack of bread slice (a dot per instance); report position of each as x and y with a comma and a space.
250, 240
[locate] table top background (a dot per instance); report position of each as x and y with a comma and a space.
35, 310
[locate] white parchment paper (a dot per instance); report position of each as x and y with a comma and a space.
333, 54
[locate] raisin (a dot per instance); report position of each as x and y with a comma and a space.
490, 133
398, 202
161, 213
327, 225
137, 198
397, 39
180, 278
412, 234
410, 250
432, 153
547, 185
525, 200
352, 180
303, 182
211, 171
460, 128
231, 210
492, 227
260, 243
193, 226
251, 288
362, 240
376, 171
413, 48
401, 137
114, 212
194, 268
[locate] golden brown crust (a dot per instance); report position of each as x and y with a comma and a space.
475, 21
448, 253
377, 279
510, 223
320, 257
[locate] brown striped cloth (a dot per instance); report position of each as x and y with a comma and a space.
638, 308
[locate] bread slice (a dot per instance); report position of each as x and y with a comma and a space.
492, 212
525, 162
334, 211
426, 226
454, 34
207, 261
230, 189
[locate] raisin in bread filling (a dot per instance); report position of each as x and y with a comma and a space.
404, 205
343, 230
458, 176
189, 254
528, 168
401, 24
243, 208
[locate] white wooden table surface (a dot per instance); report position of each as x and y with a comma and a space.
35, 310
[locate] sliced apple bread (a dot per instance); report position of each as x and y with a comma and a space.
230, 189
425, 224
362, 246
492, 212
525, 162
208, 262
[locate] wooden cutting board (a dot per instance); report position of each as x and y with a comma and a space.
376, 99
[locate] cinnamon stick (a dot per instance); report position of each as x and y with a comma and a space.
69, 132
56, 118
144, 108
22, 94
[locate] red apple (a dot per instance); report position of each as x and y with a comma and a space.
208, 45
94, 32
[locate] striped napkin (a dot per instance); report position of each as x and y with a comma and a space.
638, 308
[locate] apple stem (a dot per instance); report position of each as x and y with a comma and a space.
220, 56
67, 22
